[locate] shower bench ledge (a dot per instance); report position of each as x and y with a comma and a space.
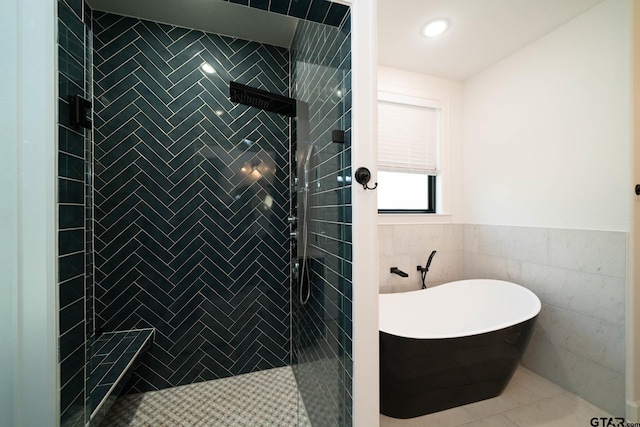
113, 358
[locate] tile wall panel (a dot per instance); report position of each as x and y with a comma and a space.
321, 76
407, 246
579, 275
191, 201
74, 213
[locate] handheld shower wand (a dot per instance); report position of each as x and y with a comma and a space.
423, 271
305, 294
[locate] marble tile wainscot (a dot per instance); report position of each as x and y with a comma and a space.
579, 276
406, 246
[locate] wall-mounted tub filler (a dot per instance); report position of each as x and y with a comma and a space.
396, 270
423, 271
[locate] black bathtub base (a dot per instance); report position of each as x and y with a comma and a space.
440, 400
420, 377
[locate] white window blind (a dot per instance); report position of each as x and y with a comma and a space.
407, 134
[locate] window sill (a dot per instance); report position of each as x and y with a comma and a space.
423, 218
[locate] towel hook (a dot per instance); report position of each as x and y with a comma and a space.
363, 176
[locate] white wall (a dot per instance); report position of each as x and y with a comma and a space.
633, 258
28, 312
547, 130
449, 92
366, 398
8, 215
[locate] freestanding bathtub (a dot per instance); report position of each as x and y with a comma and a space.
452, 344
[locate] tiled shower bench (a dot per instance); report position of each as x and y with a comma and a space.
113, 358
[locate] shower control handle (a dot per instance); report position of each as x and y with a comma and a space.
292, 220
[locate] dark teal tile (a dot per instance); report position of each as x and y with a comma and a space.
72, 402
336, 14
71, 315
71, 339
87, 14
280, 6
70, 166
73, 364
71, 142
153, 36
70, 16
299, 8
70, 266
70, 241
71, 291
68, 88
118, 43
70, 191
318, 10
75, 5
71, 69
71, 216
259, 4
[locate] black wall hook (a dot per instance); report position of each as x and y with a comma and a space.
363, 176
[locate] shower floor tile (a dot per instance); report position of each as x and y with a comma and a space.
263, 398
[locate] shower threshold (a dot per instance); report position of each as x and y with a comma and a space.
113, 358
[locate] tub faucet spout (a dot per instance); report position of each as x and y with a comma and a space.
400, 273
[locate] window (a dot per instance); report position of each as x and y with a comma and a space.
408, 133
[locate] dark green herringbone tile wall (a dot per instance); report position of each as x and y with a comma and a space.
191, 201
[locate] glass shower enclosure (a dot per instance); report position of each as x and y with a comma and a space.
203, 238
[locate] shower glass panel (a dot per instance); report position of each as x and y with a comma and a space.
75, 221
322, 325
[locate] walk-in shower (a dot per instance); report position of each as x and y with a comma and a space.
178, 248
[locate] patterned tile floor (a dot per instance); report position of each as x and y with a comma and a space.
264, 398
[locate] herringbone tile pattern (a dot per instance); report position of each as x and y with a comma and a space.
191, 201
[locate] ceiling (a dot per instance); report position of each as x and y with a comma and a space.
482, 32
220, 17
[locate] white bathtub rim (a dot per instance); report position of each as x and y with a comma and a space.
457, 309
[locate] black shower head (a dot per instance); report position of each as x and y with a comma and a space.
262, 99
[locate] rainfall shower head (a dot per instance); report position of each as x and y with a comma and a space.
262, 99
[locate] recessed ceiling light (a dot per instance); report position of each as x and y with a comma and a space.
207, 68
435, 28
